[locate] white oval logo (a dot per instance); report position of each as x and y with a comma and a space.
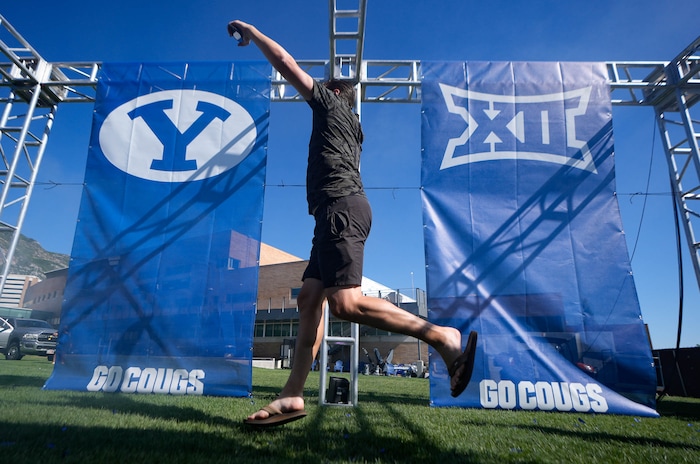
177, 135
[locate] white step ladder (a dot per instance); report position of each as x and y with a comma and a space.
354, 342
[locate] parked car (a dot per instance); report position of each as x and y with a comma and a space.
20, 336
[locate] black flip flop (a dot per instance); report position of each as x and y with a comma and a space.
466, 361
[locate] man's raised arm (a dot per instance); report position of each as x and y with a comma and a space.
278, 57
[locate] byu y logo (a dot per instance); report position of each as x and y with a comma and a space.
177, 135
534, 127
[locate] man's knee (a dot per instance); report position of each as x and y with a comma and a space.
344, 304
338, 309
306, 300
311, 295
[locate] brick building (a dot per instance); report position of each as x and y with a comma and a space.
47, 295
277, 317
14, 294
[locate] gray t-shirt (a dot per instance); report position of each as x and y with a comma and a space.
334, 149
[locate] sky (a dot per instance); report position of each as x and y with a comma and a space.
463, 30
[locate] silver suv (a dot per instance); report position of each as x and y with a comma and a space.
19, 336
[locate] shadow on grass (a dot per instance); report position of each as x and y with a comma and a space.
264, 393
37, 443
9, 381
592, 435
317, 439
324, 437
127, 405
681, 408
386, 398
417, 445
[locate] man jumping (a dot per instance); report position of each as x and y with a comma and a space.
343, 218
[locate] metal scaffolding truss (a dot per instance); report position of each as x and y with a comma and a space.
679, 123
30, 92
31, 89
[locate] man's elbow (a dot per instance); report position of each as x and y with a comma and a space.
285, 64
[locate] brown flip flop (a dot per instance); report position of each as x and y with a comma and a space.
276, 417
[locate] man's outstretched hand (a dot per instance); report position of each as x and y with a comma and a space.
238, 30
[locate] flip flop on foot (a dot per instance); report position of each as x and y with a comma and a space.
276, 417
465, 361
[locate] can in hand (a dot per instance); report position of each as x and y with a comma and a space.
235, 33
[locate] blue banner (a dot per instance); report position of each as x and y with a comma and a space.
164, 269
524, 241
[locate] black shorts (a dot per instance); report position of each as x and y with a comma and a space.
338, 246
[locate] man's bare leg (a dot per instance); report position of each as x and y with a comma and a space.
310, 300
350, 304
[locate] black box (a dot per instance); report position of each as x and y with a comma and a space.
338, 390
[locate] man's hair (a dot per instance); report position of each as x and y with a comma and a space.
347, 90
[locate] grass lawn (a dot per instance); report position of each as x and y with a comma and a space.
392, 423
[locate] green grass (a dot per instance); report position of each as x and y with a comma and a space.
392, 423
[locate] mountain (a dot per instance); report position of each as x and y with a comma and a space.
30, 257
